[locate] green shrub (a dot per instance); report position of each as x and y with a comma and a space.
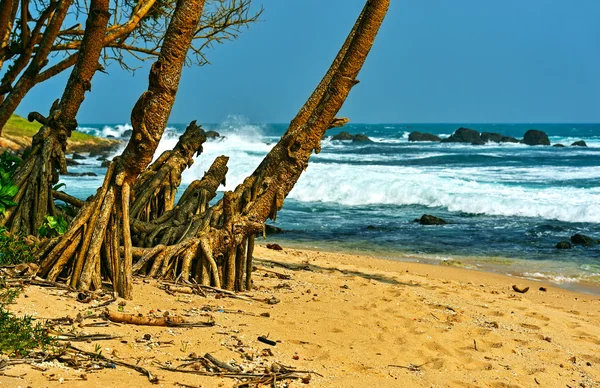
9, 162
53, 226
8, 165
19, 336
14, 250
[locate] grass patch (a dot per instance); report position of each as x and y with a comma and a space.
14, 250
20, 336
20, 126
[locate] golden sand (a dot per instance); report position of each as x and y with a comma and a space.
357, 321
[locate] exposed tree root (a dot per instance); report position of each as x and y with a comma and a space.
37, 174
154, 191
217, 246
91, 245
191, 242
174, 225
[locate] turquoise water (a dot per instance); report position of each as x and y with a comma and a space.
508, 205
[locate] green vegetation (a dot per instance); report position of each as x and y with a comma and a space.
8, 165
53, 226
19, 336
20, 126
14, 249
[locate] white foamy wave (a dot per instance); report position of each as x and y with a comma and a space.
521, 174
106, 131
365, 185
243, 143
559, 278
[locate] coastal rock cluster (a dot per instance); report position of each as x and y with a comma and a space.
470, 136
578, 239
428, 219
358, 138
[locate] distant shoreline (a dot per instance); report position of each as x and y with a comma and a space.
479, 264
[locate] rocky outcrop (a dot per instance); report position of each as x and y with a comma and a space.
271, 229
463, 135
558, 145
492, 137
564, 245
427, 219
358, 138
418, 136
582, 239
579, 143
343, 136
534, 137
361, 138
212, 135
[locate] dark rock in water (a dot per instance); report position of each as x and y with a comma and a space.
418, 136
564, 245
78, 157
360, 138
371, 227
127, 134
101, 158
491, 137
275, 247
463, 135
71, 162
478, 142
106, 163
271, 229
558, 145
110, 137
212, 134
509, 139
428, 219
342, 136
579, 143
81, 174
535, 137
494, 137
347, 136
582, 239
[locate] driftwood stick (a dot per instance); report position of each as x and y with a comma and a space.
170, 321
278, 274
221, 364
153, 379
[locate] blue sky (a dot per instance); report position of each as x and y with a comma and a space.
434, 61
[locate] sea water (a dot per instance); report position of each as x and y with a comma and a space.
507, 204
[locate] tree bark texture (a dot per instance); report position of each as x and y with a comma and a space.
154, 191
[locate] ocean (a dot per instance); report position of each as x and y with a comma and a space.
507, 205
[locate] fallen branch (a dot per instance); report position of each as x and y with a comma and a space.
221, 364
170, 321
85, 338
278, 274
144, 371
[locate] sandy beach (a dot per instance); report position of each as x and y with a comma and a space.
355, 321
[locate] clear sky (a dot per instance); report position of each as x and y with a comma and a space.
434, 61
